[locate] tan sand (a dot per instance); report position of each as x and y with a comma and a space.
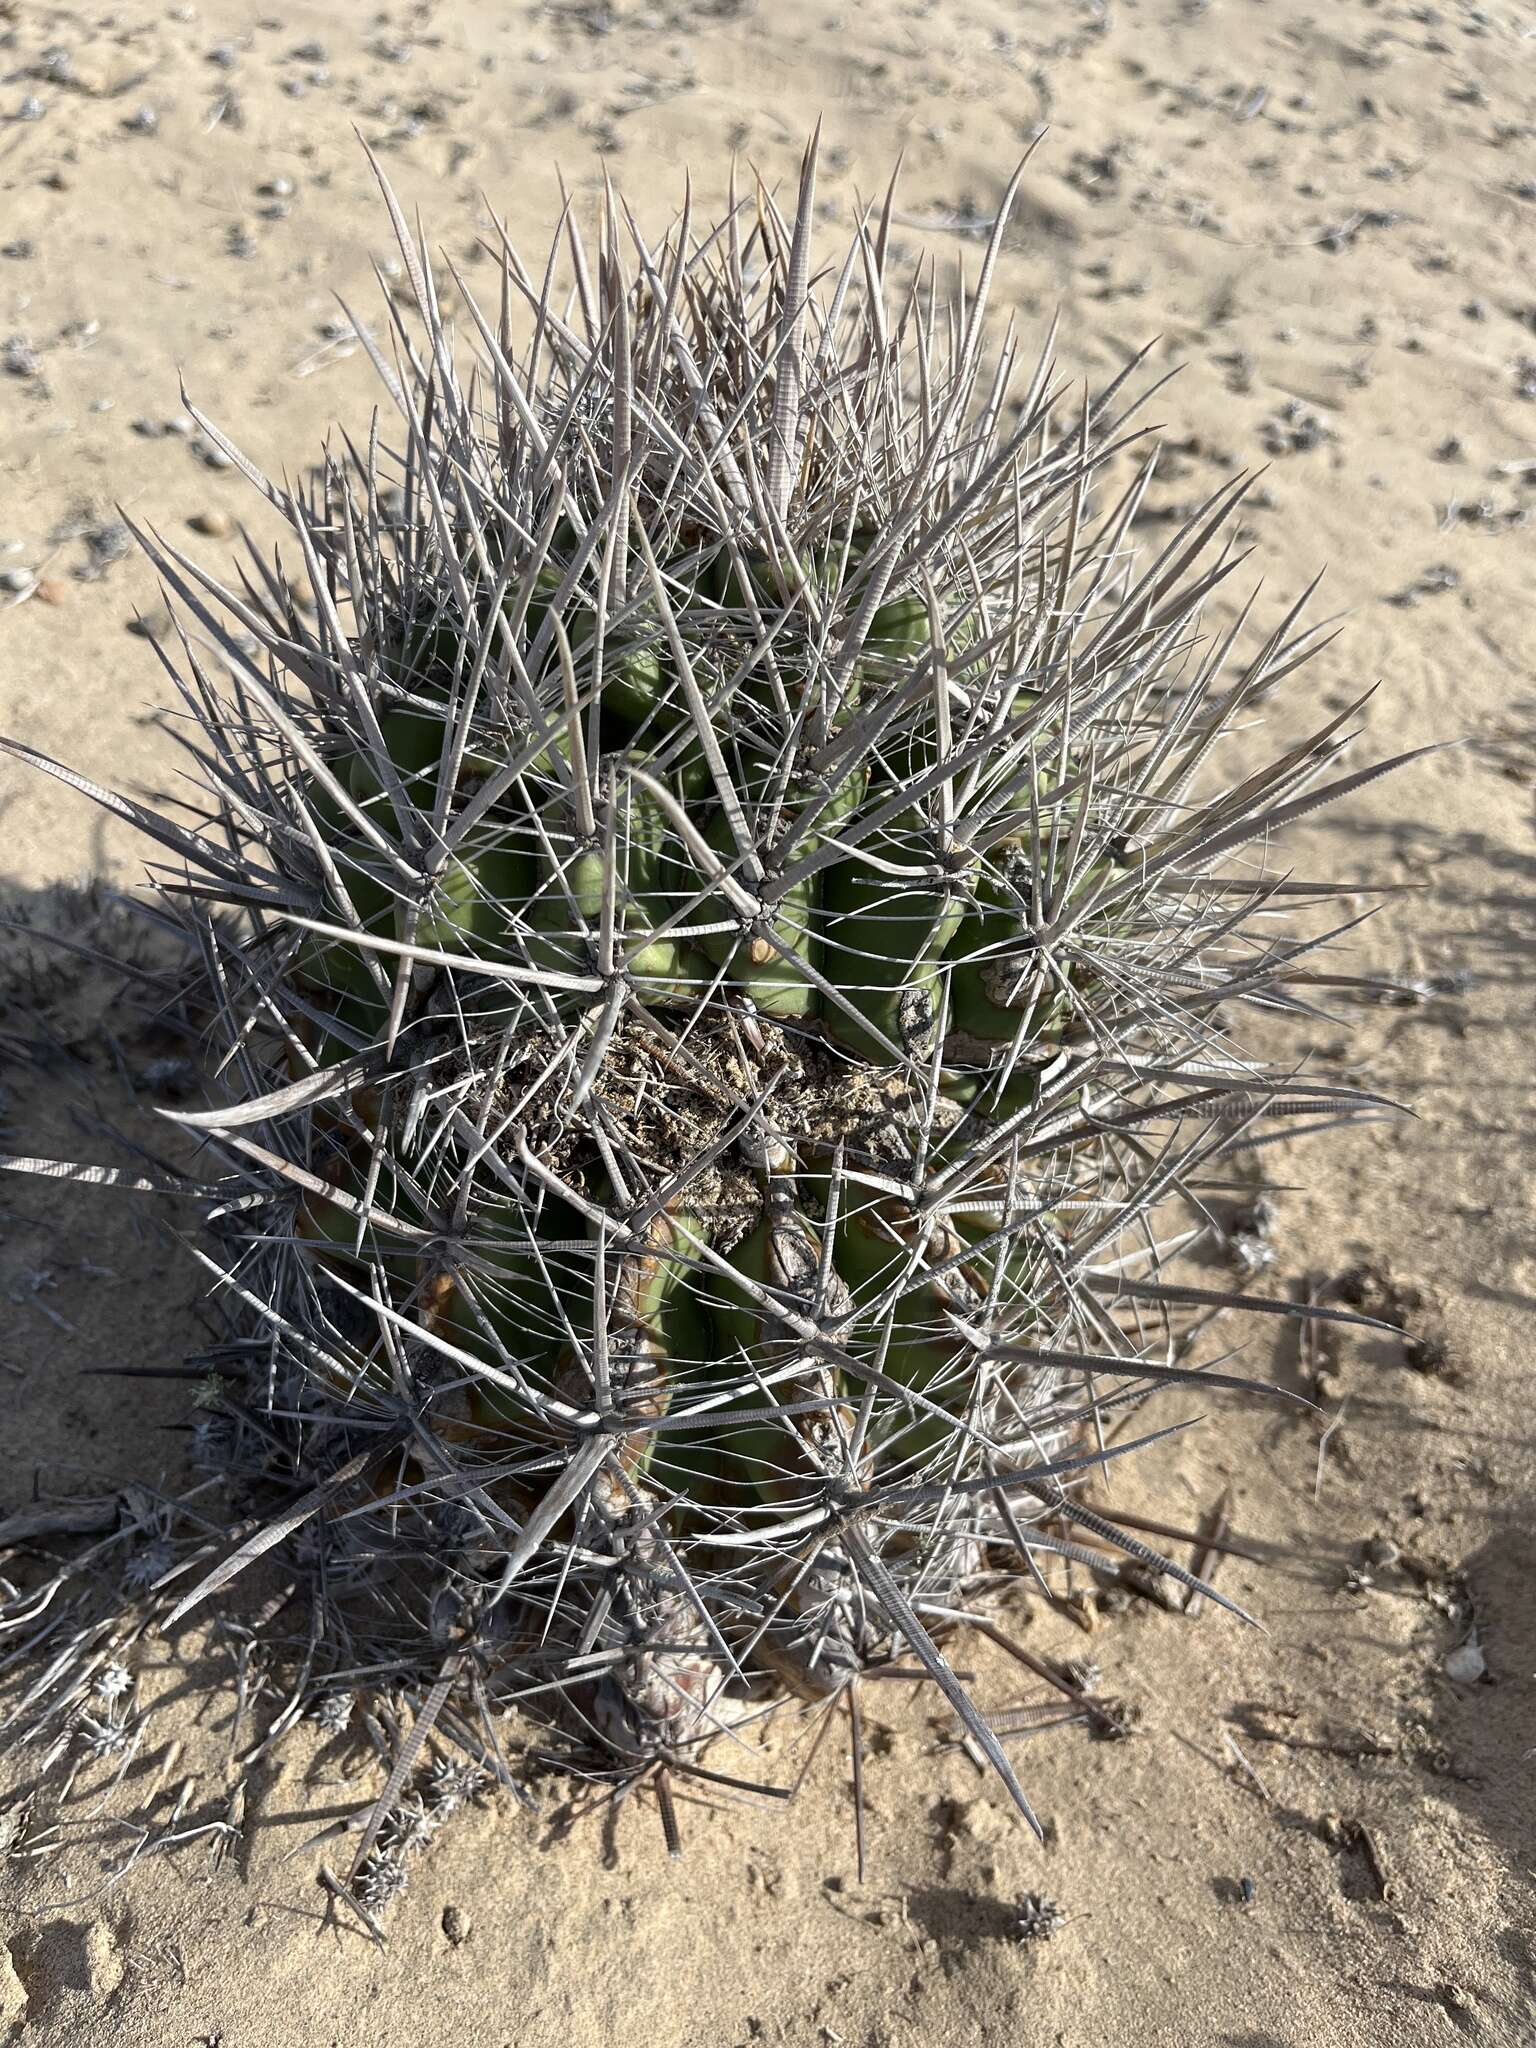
1327, 215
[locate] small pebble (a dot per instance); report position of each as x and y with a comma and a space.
152, 430
311, 53
211, 456
50, 590
31, 108
142, 121
16, 581
18, 252
456, 1925
216, 525
1382, 1552
280, 187
1466, 1664
150, 625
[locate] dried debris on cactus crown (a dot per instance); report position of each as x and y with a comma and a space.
723, 934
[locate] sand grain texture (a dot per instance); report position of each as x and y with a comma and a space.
1327, 216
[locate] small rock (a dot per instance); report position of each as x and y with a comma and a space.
1382, 1551
152, 625
456, 1925
216, 525
1466, 1664
50, 590
152, 430
280, 187
31, 108
182, 425
142, 121
17, 581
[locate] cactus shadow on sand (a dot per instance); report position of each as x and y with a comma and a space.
1484, 1731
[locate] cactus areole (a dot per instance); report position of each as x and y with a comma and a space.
723, 932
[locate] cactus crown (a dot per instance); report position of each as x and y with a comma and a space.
720, 929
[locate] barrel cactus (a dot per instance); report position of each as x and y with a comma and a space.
720, 925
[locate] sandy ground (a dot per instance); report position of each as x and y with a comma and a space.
1324, 1834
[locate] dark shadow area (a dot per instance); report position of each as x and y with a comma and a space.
959, 1919
54, 1959
1484, 1731
1487, 930
92, 1278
